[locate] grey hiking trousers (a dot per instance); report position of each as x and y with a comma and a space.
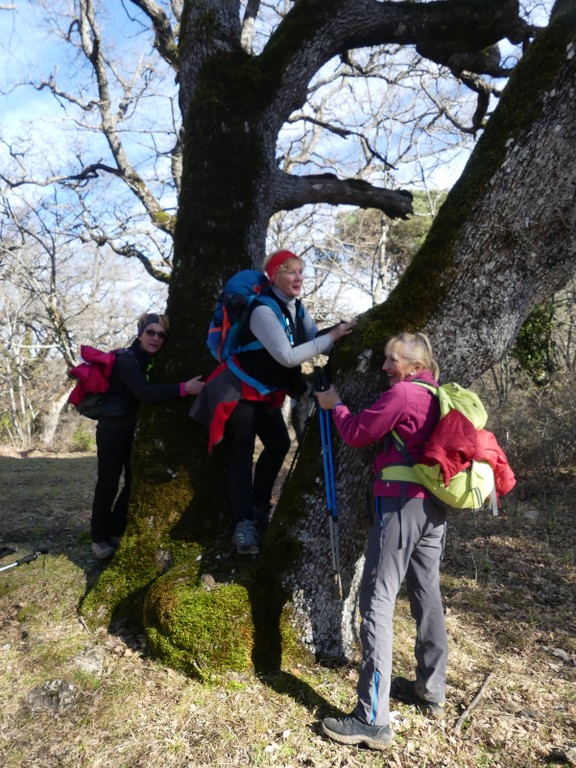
406, 540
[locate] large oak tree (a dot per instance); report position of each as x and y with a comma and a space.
502, 242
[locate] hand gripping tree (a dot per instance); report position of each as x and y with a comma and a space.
503, 241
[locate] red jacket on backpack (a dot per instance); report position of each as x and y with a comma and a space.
455, 443
93, 374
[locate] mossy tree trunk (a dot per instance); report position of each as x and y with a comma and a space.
503, 241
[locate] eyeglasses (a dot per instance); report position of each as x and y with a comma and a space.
159, 334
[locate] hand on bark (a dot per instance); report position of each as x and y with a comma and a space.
328, 399
194, 386
342, 329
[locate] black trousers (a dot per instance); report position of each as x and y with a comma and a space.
109, 512
248, 421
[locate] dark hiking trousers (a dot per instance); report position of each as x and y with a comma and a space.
405, 541
248, 420
109, 514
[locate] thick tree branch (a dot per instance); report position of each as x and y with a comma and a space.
316, 30
159, 217
88, 173
333, 27
290, 192
165, 41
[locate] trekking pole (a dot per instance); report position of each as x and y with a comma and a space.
329, 479
27, 559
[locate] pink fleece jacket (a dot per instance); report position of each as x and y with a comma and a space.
412, 411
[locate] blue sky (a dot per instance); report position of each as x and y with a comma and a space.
23, 51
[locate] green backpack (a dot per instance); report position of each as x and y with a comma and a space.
469, 488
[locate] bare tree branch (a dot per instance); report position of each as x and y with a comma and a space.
345, 133
131, 252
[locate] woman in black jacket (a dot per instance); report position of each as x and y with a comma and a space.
129, 386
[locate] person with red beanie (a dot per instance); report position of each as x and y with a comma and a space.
277, 348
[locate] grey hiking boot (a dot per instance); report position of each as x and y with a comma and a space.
350, 730
102, 549
404, 690
246, 538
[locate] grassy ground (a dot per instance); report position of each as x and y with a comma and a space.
510, 592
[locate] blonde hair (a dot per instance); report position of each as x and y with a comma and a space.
415, 348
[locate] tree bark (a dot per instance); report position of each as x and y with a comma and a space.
503, 241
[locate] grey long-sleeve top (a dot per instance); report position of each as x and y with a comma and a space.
265, 326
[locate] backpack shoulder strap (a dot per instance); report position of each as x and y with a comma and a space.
425, 385
293, 329
240, 342
399, 444
269, 301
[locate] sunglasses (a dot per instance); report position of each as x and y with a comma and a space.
159, 334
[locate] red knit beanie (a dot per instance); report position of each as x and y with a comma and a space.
276, 262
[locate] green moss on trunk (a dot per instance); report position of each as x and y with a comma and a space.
205, 632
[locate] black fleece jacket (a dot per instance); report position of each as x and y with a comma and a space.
129, 386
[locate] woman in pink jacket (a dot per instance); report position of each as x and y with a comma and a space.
405, 541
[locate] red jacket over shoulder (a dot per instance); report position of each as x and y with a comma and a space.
93, 374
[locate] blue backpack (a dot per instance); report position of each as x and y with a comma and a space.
232, 307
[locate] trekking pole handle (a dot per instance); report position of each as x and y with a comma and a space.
26, 559
322, 378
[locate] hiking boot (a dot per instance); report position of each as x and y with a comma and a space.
246, 538
404, 690
351, 730
102, 549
